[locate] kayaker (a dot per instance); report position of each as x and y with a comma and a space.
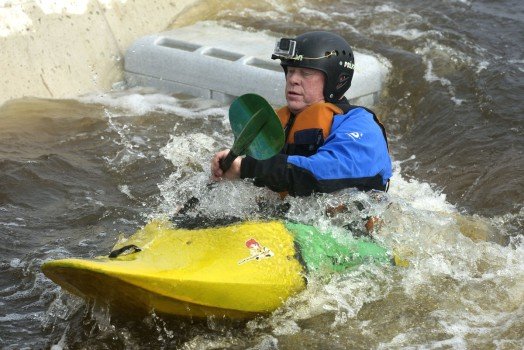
330, 144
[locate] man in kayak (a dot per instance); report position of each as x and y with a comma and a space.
330, 144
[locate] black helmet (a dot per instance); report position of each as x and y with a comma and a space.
324, 51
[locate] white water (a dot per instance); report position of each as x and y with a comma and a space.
470, 288
464, 286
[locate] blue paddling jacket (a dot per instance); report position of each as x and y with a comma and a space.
328, 148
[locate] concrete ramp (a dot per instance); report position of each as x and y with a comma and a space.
211, 61
66, 48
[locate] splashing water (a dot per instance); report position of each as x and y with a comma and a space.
77, 174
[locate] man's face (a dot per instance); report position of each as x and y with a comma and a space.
304, 87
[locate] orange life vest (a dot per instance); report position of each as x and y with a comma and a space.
306, 131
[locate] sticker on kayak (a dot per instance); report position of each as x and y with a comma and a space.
257, 251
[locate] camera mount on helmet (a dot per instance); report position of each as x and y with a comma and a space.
285, 48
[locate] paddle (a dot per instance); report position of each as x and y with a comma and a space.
257, 129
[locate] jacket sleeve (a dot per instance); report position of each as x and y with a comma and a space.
279, 175
354, 155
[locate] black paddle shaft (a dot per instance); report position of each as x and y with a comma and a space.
225, 163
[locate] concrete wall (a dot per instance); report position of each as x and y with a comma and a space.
64, 48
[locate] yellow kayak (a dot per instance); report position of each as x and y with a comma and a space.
234, 271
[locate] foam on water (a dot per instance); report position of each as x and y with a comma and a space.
190, 154
421, 225
447, 267
417, 222
413, 33
462, 289
139, 102
314, 13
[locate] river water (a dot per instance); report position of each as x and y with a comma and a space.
77, 174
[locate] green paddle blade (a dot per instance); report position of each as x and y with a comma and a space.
257, 129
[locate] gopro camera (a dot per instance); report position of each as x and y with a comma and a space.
285, 48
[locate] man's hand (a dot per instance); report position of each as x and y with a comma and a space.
232, 173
